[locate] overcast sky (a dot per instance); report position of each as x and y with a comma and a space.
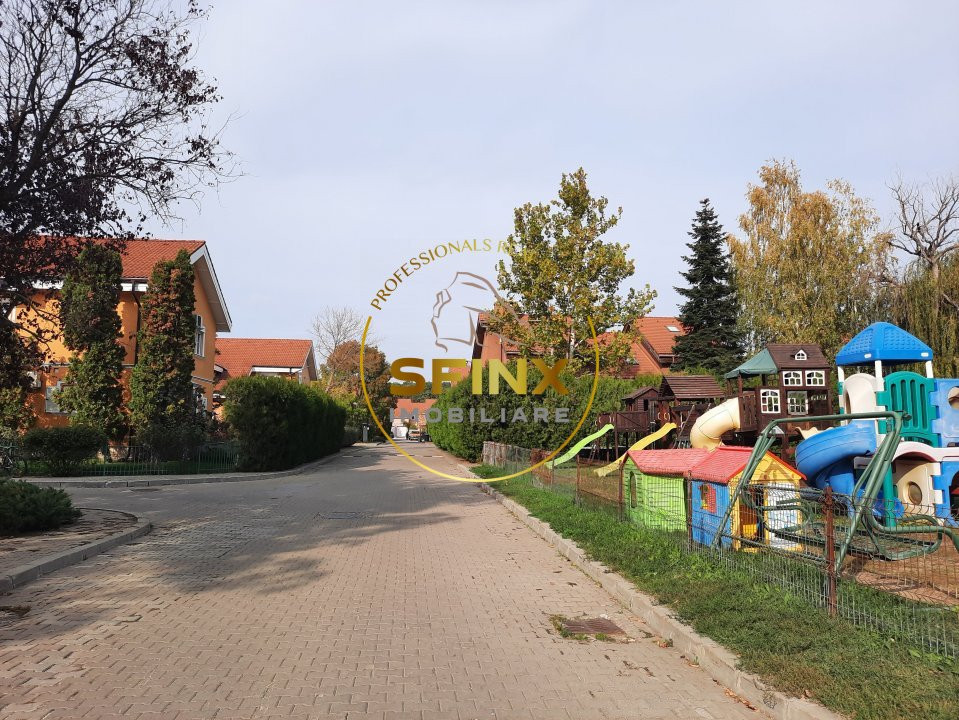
369, 131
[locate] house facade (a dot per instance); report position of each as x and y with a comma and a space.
277, 357
211, 317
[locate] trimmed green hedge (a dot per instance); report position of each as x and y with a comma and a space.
465, 439
28, 508
280, 424
63, 449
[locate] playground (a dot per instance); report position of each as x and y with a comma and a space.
824, 503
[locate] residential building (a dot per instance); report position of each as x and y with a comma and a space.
210, 312
279, 357
651, 354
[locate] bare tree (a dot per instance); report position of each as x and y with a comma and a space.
103, 122
335, 325
927, 221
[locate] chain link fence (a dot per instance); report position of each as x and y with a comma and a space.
905, 586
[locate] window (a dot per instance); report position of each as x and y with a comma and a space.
797, 403
50, 403
769, 402
707, 498
632, 489
201, 400
801, 355
672, 328
792, 377
199, 337
815, 377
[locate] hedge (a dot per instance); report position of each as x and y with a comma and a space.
63, 449
466, 439
280, 424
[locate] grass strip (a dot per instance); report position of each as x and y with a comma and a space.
788, 641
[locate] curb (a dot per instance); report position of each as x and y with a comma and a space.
718, 662
157, 480
31, 571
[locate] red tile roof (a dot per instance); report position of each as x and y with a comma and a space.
140, 256
239, 355
667, 462
727, 461
655, 330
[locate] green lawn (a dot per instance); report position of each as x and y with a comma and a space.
788, 641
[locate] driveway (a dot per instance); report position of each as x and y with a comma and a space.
366, 589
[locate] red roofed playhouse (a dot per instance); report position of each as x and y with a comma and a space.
714, 478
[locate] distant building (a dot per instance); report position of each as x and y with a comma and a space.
652, 354
278, 357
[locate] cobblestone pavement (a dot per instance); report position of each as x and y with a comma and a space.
367, 589
93, 525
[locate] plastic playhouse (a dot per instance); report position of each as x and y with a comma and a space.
890, 457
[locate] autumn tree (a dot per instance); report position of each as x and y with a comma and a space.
341, 375
91, 331
163, 403
809, 265
710, 315
562, 273
920, 305
103, 121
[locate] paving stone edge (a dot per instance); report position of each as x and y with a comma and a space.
31, 571
718, 662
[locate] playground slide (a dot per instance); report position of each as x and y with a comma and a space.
826, 458
711, 425
574, 451
638, 445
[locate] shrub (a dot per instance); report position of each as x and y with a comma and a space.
63, 449
351, 435
280, 424
28, 508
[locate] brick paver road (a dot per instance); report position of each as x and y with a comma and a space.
367, 589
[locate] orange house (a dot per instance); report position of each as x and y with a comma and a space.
210, 313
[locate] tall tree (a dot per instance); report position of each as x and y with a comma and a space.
91, 331
340, 374
713, 340
921, 306
810, 265
163, 403
103, 120
563, 272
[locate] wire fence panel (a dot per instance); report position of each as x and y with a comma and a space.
889, 567
127, 460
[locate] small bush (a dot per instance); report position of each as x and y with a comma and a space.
28, 508
280, 424
63, 449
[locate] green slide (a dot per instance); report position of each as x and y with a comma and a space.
574, 451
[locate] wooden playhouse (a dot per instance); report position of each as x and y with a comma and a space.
713, 481
653, 483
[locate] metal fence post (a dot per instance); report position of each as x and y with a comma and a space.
829, 515
688, 505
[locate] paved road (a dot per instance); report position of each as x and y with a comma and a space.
367, 589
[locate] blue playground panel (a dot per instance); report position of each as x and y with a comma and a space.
943, 483
946, 425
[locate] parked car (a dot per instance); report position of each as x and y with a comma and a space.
414, 435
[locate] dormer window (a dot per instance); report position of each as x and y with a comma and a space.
801, 355
672, 328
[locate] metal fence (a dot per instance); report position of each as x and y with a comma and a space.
124, 460
905, 586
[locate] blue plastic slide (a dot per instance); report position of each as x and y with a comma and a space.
826, 458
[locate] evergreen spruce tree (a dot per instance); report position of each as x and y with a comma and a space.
713, 340
91, 331
163, 403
